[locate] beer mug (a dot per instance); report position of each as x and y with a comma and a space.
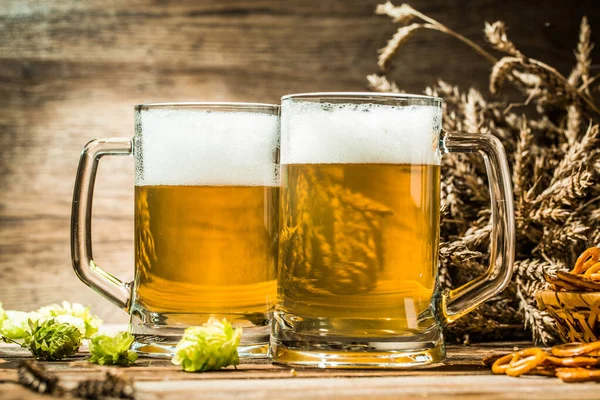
206, 182
360, 222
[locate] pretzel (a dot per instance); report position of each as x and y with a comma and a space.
592, 270
533, 364
574, 349
500, 365
595, 277
578, 374
588, 258
525, 361
573, 361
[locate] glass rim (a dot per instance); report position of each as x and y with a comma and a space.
210, 105
361, 96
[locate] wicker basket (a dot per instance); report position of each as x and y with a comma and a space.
576, 313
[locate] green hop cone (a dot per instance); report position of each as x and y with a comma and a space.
74, 314
52, 340
112, 350
2, 314
209, 347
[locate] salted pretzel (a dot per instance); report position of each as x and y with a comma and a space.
588, 258
578, 374
575, 349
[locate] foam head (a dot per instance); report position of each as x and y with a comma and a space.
202, 147
348, 133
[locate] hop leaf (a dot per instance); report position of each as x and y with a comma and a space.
112, 350
13, 324
209, 347
52, 340
74, 314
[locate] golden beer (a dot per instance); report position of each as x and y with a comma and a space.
206, 195
359, 217
205, 251
359, 247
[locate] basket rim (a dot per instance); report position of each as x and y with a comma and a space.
566, 292
554, 298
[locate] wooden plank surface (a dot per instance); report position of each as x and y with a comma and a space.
71, 71
462, 375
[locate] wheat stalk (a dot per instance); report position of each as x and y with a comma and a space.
401, 35
500, 71
581, 71
554, 153
495, 33
379, 83
498, 35
402, 14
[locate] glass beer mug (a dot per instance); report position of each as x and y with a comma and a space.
359, 217
206, 182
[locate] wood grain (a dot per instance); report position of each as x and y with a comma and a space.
71, 71
462, 375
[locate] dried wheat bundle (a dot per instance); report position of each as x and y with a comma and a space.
552, 142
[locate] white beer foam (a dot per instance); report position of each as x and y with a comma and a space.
326, 133
206, 148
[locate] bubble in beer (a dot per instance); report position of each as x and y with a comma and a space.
326, 133
189, 147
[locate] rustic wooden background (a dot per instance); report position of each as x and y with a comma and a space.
71, 71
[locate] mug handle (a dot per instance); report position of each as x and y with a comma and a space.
87, 270
458, 302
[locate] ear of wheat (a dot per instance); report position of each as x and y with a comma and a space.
552, 142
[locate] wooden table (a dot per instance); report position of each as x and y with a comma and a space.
461, 376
